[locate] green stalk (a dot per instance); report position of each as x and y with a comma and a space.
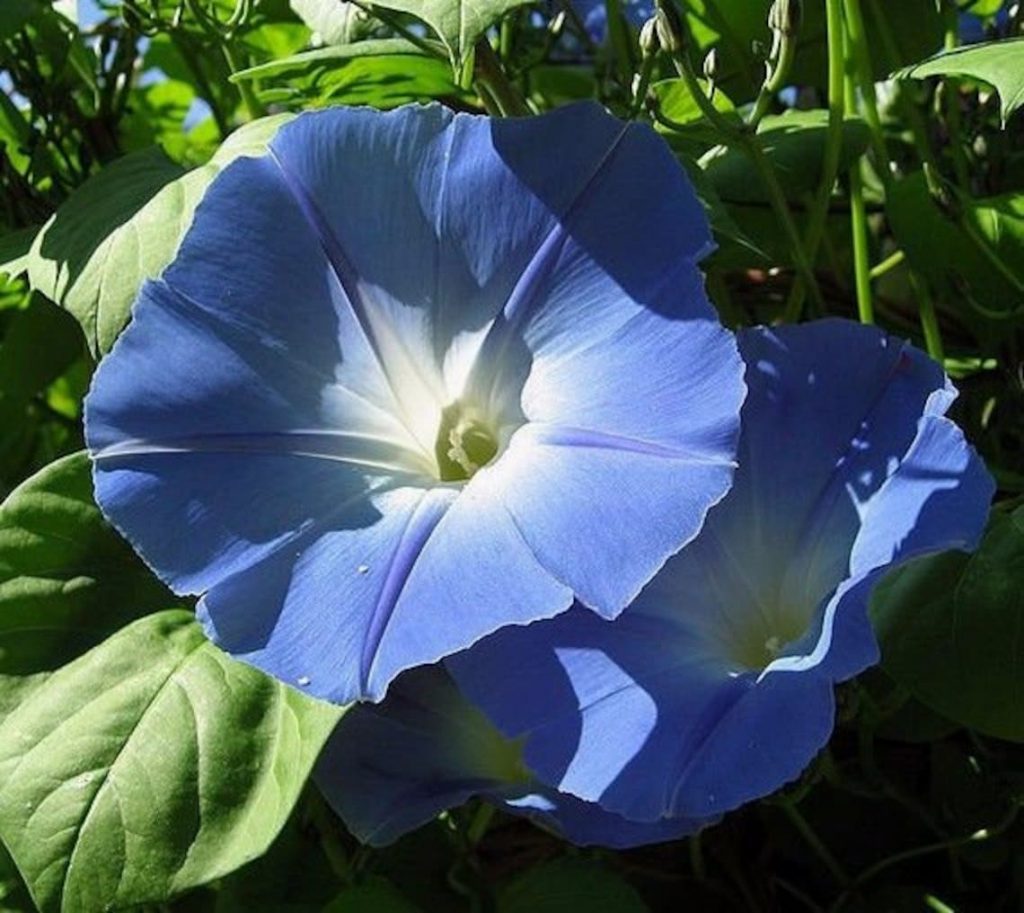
253, 107
925, 303
491, 76
751, 146
859, 218
833, 149
858, 47
889, 263
950, 95
929, 319
619, 38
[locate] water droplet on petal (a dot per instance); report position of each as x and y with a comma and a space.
363, 569
303, 680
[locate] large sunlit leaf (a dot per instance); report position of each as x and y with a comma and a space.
86, 257
67, 580
123, 226
382, 73
458, 23
308, 62
1000, 64
952, 630
334, 21
152, 764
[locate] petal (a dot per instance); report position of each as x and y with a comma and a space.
345, 609
833, 407
937, 499
587, 824
572, 493
608, 711
392, 767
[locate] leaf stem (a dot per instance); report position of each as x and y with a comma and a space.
891, 262
490, 75
253, 107
907, 855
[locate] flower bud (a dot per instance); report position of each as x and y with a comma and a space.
649, 43
785, 16
711, 68
669, 29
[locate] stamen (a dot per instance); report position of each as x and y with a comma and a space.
466, 442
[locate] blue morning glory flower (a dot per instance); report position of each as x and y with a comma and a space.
392, 767
416, 376
716, 686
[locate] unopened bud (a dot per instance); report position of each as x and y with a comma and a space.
785, 16
711, 69
669, 28
649, 43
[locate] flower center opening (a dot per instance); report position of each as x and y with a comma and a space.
466, 441
764, 642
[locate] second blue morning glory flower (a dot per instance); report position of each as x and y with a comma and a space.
715, 687
416, 376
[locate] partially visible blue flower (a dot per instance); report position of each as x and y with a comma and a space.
716, 686
594, 15
416, 376
974, 29
392, 767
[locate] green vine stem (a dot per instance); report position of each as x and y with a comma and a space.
858, 216
673, 40
908, 855
490, 76
833, 149
253, 106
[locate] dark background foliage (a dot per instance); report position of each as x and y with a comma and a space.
909, 213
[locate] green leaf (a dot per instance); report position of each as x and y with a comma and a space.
123, 226
150, 765
1000, 64
567, 886
86, 258
13, 893
67, 580
458, 23
40, 344
334, 21
675, 101
950, 257
382, 74
898, 33
14, 14
794, 144
14, 249
309, 61
375, 895
951, 628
